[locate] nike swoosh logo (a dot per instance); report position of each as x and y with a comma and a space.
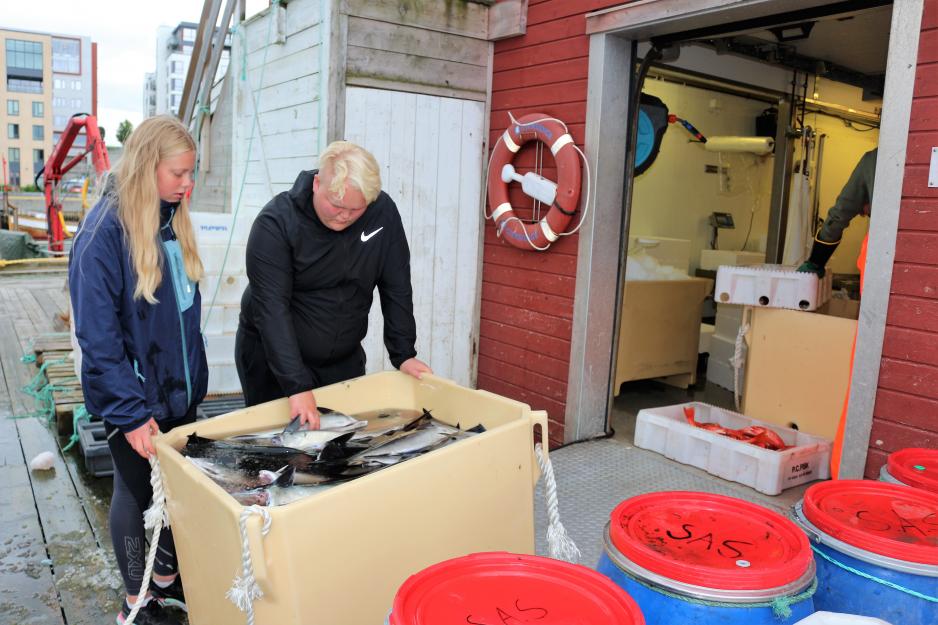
365, 237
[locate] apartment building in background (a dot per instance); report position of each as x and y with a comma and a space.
46, 79
162, 91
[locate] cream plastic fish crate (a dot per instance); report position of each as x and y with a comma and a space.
666, 431
337, 558
771, 286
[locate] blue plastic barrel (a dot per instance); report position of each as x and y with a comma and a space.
877, 549
699, 559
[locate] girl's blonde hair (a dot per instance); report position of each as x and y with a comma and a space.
349, 162
138, 201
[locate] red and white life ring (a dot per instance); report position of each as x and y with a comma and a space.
541, 234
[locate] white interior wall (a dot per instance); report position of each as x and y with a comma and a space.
675, 197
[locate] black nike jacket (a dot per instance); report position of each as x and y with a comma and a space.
311, 287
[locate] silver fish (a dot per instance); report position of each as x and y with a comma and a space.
281, 496
411, 443
332, 426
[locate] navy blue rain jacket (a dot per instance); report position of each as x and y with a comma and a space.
139, 360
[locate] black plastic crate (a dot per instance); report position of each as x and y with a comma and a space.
93, 442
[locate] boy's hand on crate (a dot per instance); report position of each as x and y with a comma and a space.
415, 368
303, 405
141, 438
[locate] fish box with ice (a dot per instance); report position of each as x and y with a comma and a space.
338, 557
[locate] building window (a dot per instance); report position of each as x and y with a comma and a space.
39, 133
76, 85
66, 55
24, 86
38, 109
39, 158
24, 55
176, 67
60, 121
59, 83
174, 99
13, 131
14, 154
175, 84
13, 107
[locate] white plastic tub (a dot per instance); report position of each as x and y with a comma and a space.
771, 286
665, 430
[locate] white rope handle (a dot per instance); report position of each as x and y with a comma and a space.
559, 544
244, 590
154, 518
738, 360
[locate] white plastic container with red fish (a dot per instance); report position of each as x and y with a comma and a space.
764, 456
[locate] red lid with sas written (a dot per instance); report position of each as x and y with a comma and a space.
709, 540
886, 519
509, 588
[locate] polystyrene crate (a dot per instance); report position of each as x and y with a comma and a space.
771, 286
214, 261
728, 319
223, 379
219, 228
720, 363
229, 293
665, 430
219, 348
220, 319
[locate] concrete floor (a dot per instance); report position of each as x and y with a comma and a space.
593, 477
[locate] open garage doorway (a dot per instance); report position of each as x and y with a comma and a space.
810, 81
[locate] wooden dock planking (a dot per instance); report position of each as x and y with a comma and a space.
83, 572
60, 515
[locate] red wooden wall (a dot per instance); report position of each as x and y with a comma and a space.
906, 410
527, 296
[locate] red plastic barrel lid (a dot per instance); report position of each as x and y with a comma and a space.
886, 519
915, 467
504, 588
710, 540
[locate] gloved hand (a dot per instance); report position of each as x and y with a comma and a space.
809, 267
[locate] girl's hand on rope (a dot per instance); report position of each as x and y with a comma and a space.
141, 438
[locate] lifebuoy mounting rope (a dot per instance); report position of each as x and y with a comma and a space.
544, 231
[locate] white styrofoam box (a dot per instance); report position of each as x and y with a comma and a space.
720, 362
711, 259
665, 430
218, 228
223, 379
836, 618
229, 291
721, 373
222, 320
703, 344
213, 256
728, 319
220, 348
670, 252
772, 286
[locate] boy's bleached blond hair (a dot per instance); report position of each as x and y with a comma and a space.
351, 163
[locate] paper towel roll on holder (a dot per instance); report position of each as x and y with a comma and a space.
753, 145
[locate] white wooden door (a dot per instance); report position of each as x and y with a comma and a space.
431, 154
